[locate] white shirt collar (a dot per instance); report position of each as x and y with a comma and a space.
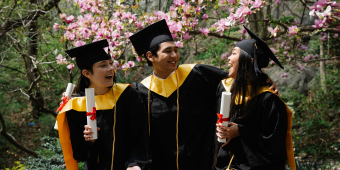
162, 78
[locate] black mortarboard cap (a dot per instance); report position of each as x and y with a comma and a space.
90, 53
259, 50
144, 40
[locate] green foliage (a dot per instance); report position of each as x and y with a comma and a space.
317, 119
18, 167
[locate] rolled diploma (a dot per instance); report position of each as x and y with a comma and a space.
68, 94
225, 110
90, 103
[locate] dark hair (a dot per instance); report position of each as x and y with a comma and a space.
153, 51
84, 82
245, 76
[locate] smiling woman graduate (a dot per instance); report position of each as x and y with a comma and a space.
121, 117
259, 133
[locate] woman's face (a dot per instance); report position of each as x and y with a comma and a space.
233, 62
102, 75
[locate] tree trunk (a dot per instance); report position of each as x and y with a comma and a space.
32, 70
322, 71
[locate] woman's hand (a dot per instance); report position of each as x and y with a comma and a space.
133, 168
88, 133
227, 132
273, 87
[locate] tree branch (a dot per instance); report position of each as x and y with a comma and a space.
216, 35
12, 24
12, 69
12, 140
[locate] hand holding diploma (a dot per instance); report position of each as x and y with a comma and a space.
227, 132
224, 112
91, 112
66, 97
88, 133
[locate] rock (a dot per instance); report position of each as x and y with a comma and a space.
297, 81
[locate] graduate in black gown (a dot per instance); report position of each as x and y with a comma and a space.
259, 133
121, 117
181, 102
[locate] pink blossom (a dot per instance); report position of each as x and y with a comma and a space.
273, 31
243, 31
324, 38
298, 71
231, 1
277, 2
178, 2
319, 23
297, 22
174, 36
172, 8
306, 58
274, 51
79, 43
299, 45
235, 43
131, 64
204, 31
139, 59
336, 35
70, 67
179, 44
56, 26
186, 36
60, 59
94, 27
293, 63
125, 66
258, 4
293, 30
205, 16
293, 56
116, 63
283, 43
63, 16
285, 52
70, 36
316, 55
126, 15
70, 19
224, 56
284, 75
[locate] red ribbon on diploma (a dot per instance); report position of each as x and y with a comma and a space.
62, 104
221, 119
92, 114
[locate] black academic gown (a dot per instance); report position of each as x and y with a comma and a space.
262, 141
197, 119
131, 133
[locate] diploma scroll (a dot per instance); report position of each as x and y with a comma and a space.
68, 94
224, 111
91, 111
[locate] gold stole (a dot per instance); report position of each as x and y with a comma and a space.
103, 102
165, 87
227, 83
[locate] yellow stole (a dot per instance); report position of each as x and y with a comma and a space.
165, 87
103, 102
227, 83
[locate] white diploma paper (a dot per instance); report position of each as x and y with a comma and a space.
68, 94
225, 110
90, 103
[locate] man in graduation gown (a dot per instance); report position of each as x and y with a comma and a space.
181, 102
120, 115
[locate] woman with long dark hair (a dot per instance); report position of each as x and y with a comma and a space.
258, 135
122, 123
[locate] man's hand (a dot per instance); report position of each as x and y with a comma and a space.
88, 133
133, 168
273, 87
227, 132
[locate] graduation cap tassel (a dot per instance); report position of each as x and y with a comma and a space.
256, 67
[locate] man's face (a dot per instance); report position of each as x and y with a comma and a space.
167, 59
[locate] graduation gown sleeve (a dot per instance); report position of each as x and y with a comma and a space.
264, 139
138, 126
